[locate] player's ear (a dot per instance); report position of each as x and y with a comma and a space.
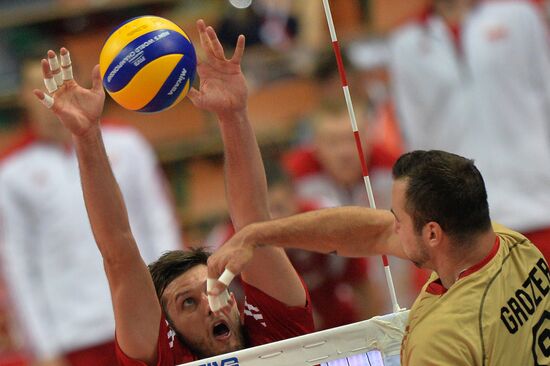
432, 233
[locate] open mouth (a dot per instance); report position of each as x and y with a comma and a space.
221, 330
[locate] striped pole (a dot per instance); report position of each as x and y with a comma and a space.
347, 96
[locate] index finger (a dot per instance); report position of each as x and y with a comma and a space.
226, 277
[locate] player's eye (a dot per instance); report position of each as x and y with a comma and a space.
189, 303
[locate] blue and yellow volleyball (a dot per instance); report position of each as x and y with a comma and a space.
147, 64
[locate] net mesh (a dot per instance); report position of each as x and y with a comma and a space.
373, 342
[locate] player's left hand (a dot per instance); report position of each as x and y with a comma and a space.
222, 87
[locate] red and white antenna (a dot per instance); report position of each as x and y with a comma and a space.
351, 112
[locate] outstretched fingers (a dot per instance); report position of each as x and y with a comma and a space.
239, 50
49, 80
56, 72
66, 64
204, 39
53, 63
215, 44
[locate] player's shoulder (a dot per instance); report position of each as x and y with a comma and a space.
407, 33
19, 155
507, 235
511, 9
516, 245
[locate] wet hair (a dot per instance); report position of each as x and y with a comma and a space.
172, 264
445, 188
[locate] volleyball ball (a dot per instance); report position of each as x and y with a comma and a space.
147, 64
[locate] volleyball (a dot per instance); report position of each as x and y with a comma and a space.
147, 64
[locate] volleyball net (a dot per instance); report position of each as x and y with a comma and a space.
372, 342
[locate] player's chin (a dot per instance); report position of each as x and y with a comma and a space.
227, 345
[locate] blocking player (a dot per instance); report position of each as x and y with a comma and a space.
173, 323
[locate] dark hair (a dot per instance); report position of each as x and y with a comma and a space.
172, 264
445, 188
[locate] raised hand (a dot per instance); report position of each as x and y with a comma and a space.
234, 256
222, 85
76, 107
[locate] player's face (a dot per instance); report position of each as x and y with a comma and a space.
203, 332
335, 149
412, 243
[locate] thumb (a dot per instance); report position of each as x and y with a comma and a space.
97, 84
194, 96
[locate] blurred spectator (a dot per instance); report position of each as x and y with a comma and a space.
51, 265
473, 77
10, 340
328, 169
328, 172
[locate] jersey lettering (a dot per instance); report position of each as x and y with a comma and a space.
541, 340
525, 301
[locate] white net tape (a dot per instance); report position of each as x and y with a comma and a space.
373, 342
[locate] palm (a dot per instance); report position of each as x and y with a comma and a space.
222, 87
78, 108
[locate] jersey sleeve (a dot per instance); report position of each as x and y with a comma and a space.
268, 320
170, 351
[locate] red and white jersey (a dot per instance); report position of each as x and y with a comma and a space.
313, 184
50, 260
483, 91
265, 319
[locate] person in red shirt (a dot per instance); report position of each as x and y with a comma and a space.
162, 316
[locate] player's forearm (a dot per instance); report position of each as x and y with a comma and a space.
104, 202
346, 231
245, 181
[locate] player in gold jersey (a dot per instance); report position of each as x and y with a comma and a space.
487, 302
496, 313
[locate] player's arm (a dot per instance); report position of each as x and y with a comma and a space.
137, 310
246, 188
347, 231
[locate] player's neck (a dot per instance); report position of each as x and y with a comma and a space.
456, 261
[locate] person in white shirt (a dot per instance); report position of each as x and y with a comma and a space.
50, 262
473, 77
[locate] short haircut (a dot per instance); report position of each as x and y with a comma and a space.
445, 188
172, 264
